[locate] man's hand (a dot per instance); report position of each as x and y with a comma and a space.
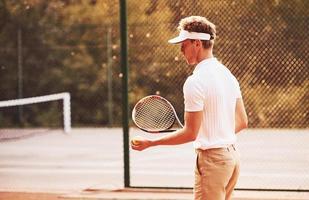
139, 144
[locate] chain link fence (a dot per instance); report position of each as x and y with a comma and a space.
263, 44
73, 46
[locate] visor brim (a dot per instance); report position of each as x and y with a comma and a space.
176, 40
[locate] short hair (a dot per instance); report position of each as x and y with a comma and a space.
200, 25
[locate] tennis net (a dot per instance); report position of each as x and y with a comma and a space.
22, 117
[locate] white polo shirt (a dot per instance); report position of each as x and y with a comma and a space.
213, 89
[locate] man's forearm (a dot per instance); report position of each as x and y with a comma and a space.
178, 137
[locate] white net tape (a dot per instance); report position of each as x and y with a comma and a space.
40, 99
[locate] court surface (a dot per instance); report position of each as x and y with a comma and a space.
93, 158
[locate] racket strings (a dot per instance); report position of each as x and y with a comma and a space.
154, 114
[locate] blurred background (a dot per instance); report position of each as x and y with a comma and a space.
73, 46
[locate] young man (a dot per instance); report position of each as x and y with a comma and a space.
214, 113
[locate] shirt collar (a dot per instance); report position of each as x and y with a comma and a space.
204, 62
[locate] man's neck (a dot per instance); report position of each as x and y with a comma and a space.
205, 54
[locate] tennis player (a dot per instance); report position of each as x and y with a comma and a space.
214, 113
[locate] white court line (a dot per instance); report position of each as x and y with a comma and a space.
53, 171
82, 165
48, 172
274, 175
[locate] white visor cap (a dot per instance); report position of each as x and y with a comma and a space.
184, 35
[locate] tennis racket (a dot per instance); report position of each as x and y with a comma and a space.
155, 114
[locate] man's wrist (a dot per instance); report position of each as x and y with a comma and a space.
153, 143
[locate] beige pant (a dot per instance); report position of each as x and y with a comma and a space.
216, 173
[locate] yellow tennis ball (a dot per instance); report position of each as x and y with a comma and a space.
135, 142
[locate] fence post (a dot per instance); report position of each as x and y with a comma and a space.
20, 73
109, 76
125, 104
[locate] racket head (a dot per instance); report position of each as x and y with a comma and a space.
154, 114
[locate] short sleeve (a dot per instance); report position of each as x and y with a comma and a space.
193, 95
237, 88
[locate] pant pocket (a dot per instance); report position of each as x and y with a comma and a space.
197, 166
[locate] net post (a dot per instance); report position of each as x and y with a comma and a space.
125, 104
67, 112
20, 72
